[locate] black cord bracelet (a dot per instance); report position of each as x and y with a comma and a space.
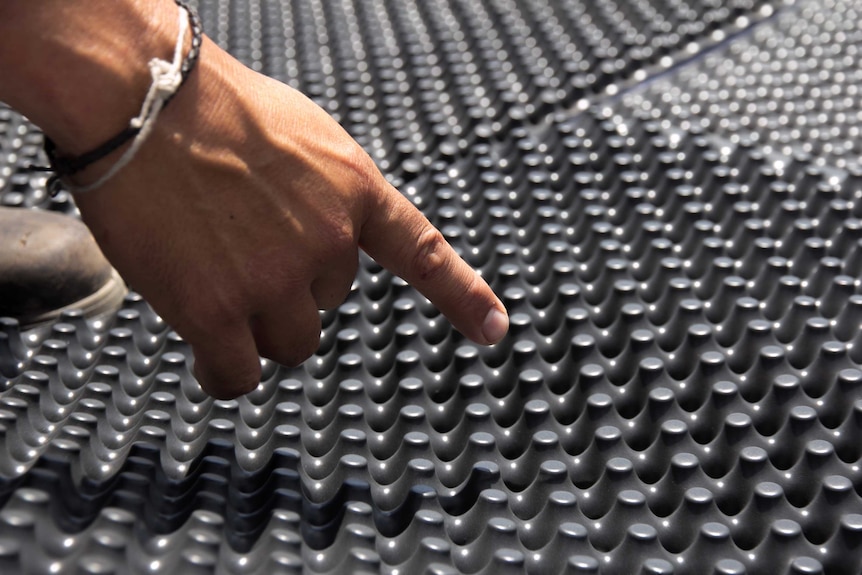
63, 166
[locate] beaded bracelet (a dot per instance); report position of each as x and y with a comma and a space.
167, 79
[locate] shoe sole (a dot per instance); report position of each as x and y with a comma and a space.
106, 300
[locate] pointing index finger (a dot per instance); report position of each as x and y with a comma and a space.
401, 239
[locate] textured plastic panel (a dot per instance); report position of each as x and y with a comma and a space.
679, 249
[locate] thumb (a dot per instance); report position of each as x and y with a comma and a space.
401, 239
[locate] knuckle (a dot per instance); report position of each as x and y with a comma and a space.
367, 180
248, 385
302, 350
241, 379
293, 350
337, 240
247, 376
362, 165
429, 261
332, 294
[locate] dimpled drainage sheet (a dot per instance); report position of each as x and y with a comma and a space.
666, 194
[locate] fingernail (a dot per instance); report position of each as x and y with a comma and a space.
496, 325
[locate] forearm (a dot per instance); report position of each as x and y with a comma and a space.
79, 68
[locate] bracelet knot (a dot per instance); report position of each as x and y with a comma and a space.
167, 78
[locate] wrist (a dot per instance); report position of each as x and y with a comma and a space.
79, 70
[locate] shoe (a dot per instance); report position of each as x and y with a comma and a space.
50, 263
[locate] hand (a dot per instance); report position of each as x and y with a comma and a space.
242, 215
